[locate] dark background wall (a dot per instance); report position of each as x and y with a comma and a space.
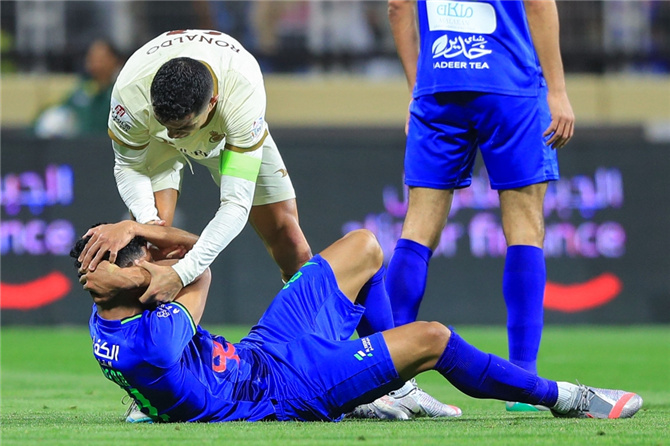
607, 226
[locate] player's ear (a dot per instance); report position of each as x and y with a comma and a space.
148, 256
214, 99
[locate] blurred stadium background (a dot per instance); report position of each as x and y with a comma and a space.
336, 104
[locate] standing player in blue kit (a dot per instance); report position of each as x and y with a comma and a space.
487, 75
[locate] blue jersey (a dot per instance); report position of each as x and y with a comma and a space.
482, 46
297, 363
163, 360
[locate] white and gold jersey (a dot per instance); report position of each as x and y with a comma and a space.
147, 160
239, 116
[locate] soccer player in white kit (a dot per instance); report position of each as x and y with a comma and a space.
198, 95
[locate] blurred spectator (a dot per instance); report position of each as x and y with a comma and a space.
340, 34
7, 64
230, 17
280, 35
40, 33
85, 110
631, 37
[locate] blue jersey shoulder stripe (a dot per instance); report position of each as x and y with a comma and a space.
190, 318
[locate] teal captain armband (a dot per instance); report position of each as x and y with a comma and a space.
238, 165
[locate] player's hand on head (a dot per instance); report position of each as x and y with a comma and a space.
165, 283
103, 281
562, 125
104, 238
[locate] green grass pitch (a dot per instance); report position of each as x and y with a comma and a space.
54, 393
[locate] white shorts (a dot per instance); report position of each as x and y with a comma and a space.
166, 169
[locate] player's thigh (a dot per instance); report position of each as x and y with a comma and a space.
166, 204
273, 184
165, 166
441, 144
510, 130
275, 221
342, 375
309, 303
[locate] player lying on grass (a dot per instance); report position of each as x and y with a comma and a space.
298, 362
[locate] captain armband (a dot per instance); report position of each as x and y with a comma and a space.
239, 165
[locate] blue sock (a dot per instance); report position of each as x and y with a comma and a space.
406, 279
373, 297
524, 280
483, 375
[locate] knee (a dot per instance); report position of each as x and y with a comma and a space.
369, 248
435, 337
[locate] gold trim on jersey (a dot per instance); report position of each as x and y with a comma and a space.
248, 149
216, 79
215, 93
121, 143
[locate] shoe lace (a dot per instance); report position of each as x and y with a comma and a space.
584, 399
127, 399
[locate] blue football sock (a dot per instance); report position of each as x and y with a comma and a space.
377, 316
483, 375
524, 280
406, 279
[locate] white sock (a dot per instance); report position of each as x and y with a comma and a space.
565, 396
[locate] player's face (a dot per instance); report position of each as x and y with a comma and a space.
190, 124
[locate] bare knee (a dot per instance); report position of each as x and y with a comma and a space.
434, 337
369, 249
438, 335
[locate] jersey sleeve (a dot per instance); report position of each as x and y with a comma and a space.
127, 127
165, 333
245, 115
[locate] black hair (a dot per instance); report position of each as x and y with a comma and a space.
124, 258
181, 86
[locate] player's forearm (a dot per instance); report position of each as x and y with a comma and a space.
165, 236
109, 279
224, 227
544, 28
239, 172
402, 17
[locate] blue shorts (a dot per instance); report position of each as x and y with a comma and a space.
445, 130
320, 372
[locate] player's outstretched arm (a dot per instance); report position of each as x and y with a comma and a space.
113, 237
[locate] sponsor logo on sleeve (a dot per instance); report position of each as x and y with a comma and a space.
257, 128
121, 116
